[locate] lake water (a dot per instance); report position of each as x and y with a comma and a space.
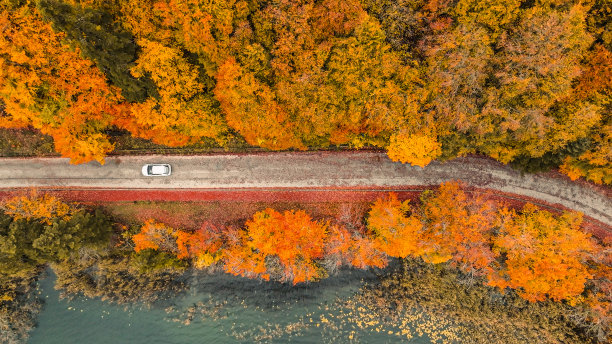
227, 309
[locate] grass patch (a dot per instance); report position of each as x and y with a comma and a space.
191, 215
25, 142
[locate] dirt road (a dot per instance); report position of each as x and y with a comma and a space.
301, 170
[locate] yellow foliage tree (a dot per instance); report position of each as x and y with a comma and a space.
535, 65
183, 113
414, 149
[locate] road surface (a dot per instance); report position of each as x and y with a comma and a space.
301, 170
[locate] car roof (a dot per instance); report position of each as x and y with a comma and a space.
159, 169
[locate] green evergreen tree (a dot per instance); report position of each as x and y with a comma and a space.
102, 40
25, 244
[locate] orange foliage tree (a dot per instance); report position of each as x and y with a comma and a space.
449, 226
352, 248
205, 245
545, 255
395, 233
252, 109
202, 245
596, 78
46, 84
43, 208
301, 78
284, 246
595, 85
156, 236
458, 227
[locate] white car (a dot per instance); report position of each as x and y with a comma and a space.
153, 170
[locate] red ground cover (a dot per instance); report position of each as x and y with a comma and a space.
300, 195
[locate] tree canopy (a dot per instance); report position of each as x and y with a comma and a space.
36, 230
525, 82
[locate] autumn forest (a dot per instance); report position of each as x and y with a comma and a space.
524, 82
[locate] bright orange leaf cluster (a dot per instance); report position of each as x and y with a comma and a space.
287, 247
539, 254
545, 255
395, 233
533, 251
459, 228
46, 84
202, 245
291, 247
